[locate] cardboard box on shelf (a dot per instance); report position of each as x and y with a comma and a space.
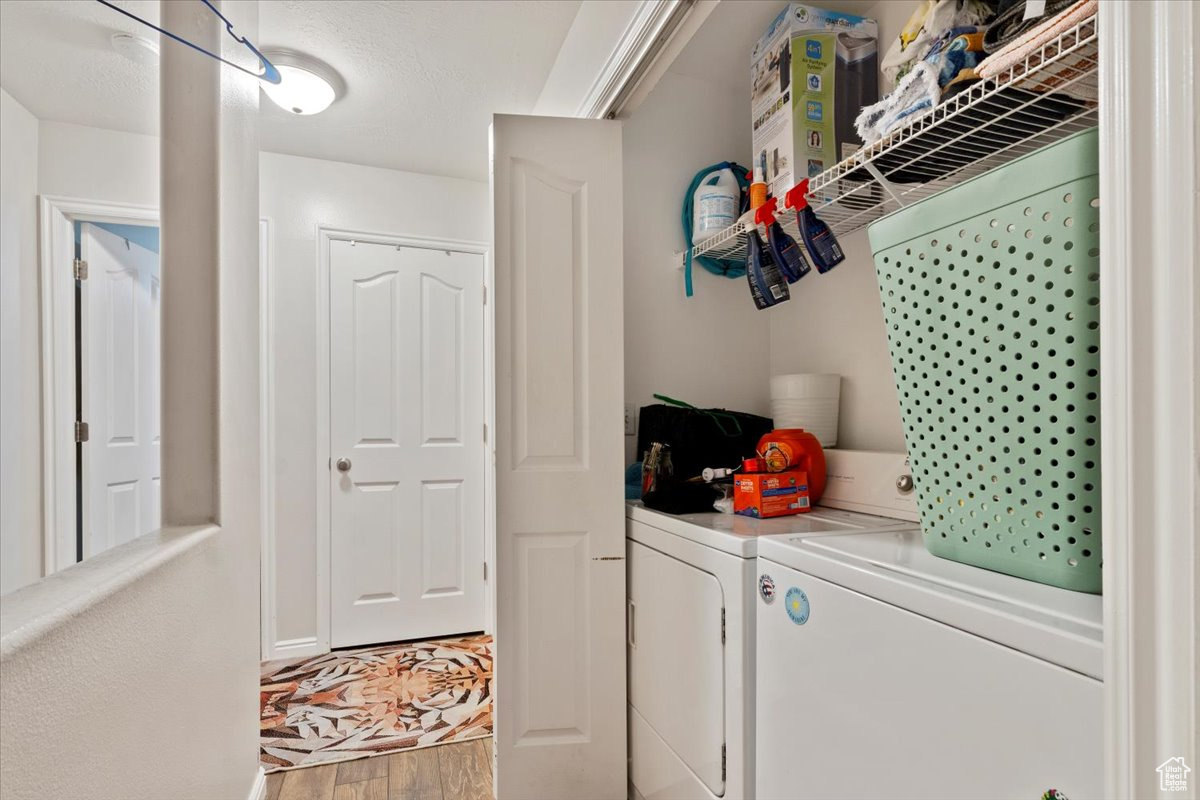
811, 73
771, 494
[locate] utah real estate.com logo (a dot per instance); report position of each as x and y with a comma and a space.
1173, 775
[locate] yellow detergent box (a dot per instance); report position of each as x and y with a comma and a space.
811, 73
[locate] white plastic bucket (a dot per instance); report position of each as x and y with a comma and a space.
808, 401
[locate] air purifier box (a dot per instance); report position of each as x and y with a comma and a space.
811, 73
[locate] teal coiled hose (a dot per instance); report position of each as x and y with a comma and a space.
730, 268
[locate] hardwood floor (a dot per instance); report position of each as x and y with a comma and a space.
461, 771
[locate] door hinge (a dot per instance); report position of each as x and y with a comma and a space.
485, 571
723, 763
485, 433
485, 294
81, 431
79, 269
722, 626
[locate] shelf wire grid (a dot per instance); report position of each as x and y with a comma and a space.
1048, 95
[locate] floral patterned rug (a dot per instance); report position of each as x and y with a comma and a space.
348, 705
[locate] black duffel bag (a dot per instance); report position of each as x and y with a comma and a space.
700, 437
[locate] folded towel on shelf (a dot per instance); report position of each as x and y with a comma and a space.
917, 93
1063, 76
1010, 22
929, 21
957, 50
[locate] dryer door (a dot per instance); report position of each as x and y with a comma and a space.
677, 658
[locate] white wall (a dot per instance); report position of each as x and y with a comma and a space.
834, 323
20, 372
96, 164
716, 348
298, 195
134, 675
712, 349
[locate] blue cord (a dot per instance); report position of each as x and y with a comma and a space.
730, 268
269, 73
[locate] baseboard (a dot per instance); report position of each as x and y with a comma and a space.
297, 648
258, 791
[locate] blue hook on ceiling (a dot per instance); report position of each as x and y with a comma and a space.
269, 73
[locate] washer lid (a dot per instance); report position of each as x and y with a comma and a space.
738, 535
1057, 625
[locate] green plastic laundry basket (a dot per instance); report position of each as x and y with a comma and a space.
991, 296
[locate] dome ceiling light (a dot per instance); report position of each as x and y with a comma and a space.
307, 86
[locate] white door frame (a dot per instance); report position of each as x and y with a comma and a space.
266, 399
325, 235
56, 253
1149, 390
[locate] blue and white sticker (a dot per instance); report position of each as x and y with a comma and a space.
796, 603
766, 588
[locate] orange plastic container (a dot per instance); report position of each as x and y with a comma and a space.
795, 449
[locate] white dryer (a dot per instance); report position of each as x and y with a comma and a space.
886, 672
692, 581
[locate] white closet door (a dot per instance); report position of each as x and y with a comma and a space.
406, 435
560, 625
119, 350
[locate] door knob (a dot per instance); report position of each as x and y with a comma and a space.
343, 464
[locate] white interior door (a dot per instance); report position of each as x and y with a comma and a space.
406, 435
119, 354
560, 603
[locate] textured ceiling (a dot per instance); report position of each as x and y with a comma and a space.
423, 78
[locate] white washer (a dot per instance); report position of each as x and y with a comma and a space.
692, 581
897, 674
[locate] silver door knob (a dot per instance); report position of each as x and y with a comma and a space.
904, 483
343, 464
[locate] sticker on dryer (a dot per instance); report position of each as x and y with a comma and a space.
766, 588
796, 602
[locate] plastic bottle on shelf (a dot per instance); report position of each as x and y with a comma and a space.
715, 204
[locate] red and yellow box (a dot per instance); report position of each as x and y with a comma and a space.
771, 494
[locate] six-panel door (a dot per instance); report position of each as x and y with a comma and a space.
406, 436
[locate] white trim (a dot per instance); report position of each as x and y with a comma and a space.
266, 366
258, 789
58, 361
1149, 351
632, 54
632, 97
324, 574
298, 648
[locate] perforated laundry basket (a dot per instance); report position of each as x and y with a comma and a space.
991, 296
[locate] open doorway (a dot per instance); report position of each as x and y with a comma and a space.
117, 370
101, 279
403, 389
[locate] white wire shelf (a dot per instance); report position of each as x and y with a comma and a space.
1046, 97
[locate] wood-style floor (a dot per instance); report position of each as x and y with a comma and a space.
461, 771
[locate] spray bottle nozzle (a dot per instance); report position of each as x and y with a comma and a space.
796, 196
765, 214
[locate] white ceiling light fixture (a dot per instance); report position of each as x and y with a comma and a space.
135, 48
307, 86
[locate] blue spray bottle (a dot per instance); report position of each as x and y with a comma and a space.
787, 253
767, 284
822, 245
